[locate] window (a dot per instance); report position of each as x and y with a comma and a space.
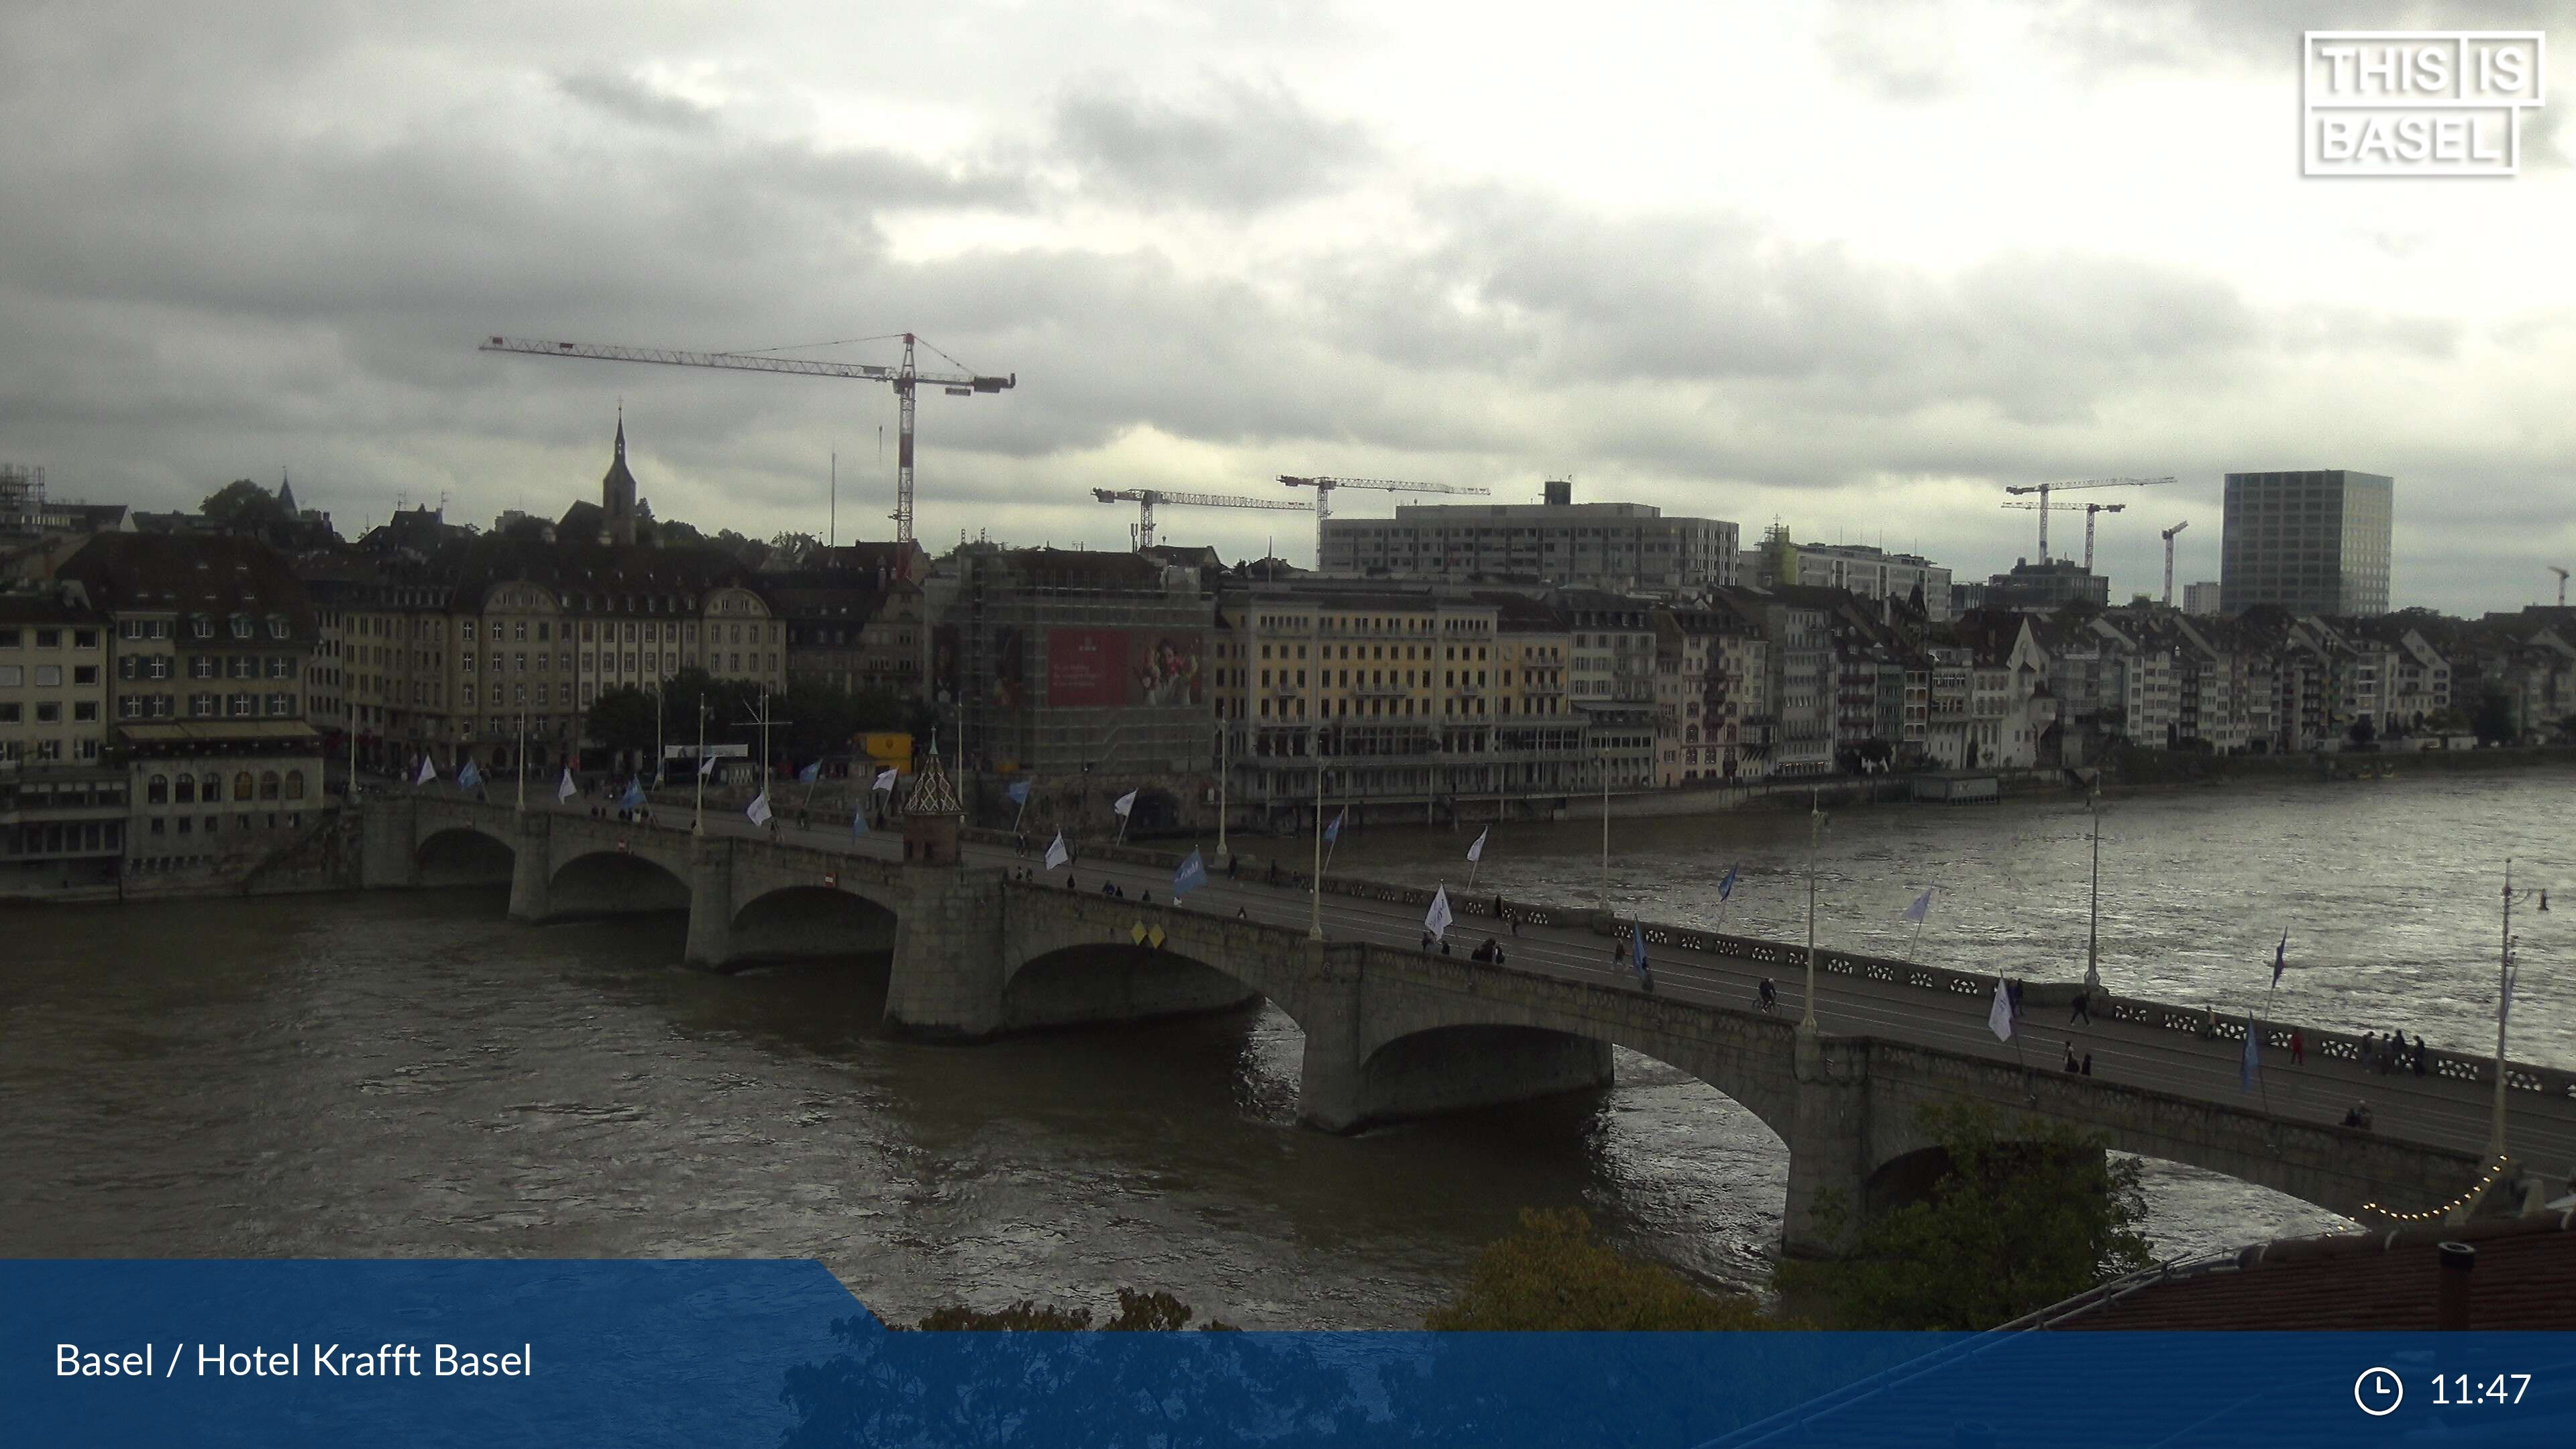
468, 696
49, 712
187, 789
268, 785
201, 706
201, 627
211, 787
241, 626
295, 784
49, 676
85, 710
12, 675
129, 629
202, 666
240, 706
156, 791
244, 785
84, 638
128, 706
495, 664
544, 631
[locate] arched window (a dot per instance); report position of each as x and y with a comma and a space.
244, 785
158, 791
187, 789
295, 784
268, 785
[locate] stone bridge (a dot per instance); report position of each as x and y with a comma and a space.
1390, 1032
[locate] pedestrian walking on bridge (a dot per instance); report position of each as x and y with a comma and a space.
2083, 1011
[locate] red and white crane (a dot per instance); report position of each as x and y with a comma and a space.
904, 379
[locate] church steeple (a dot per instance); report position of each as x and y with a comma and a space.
285, 493
617, 493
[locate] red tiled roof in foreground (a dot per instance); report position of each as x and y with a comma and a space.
2385, 1279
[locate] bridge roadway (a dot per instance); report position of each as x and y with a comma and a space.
2541, 1126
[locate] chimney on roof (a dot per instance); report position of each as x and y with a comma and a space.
2451, 1291
1560, 492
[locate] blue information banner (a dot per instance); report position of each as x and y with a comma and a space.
746, 1353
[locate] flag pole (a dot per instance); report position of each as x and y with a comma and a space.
1224, 727
523, 762
700, 826
1917, 939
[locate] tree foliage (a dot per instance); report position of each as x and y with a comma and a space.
2493, 719
620, 719
1553, 1275
242, 506
2026, 1215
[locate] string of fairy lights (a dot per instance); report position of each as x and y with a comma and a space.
2495, 1169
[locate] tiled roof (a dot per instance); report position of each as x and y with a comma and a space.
2525, 1279
210, 574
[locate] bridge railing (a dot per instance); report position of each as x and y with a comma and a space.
1942, 982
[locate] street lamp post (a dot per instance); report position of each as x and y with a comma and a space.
1315, 922
1224, 727
699, 827
2505, 974
523, 762
1815, 834
2093, 930
1605, 831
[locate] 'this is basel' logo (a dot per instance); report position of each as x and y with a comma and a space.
2418, 102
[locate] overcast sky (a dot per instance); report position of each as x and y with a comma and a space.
1856, 266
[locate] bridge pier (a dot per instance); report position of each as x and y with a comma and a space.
710, 901
947, 978
1828, 1149
531, 867
389, 841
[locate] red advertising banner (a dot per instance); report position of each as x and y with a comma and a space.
1086, 668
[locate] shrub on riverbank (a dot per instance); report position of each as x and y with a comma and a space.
1554, 1276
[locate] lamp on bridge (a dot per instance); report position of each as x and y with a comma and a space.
2506, 972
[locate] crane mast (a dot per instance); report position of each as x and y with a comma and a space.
905, 379
1324, 497
1146, 498
2562, 584
2069, 485
2168, 537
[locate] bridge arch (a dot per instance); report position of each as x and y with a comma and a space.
614, 882
1116, 981
463, 855
810, 920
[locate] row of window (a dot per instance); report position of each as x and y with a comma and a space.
49, 638
207, 666
160, 825
61, 837
48, 711
46, 676
202, 626
48, 749
209, 787
207, 706
652, 633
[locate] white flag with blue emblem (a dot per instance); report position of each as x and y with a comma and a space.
810, 773
1191, 875
1437, 919
1999, 1017
1333, 831
1019, 792
1476, 852
567, 789
428, 771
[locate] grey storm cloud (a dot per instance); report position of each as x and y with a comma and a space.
1242, 147
205, 274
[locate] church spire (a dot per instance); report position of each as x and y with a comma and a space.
617, 493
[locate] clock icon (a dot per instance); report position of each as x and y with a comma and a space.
2378, 1392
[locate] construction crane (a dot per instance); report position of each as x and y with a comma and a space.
1324, 496
2068, 485
2562, 584
1146, 498
2168, 537
904, 378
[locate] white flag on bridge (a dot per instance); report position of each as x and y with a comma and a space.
1126, 803
1476, 852
759, 809
1057, 854
1437, 919
1999, 1017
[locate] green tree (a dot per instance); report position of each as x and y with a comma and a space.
1553, 1275
2025, 1215
242, 506
621, 719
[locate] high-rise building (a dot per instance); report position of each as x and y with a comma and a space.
1617, 546
2315, 542
2200, 600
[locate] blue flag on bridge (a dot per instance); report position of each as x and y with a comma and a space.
859, 822
1726, 887
1333, 831
1191, 875
1019, 792
633, 799
2281, 956
469, 777
810, 773
1637, 955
